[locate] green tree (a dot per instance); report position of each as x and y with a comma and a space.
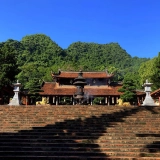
155, 77
41, 49
34, 88
37, 55
40, 54
8, 65
98, 100
147, 70
29, 72
129, 90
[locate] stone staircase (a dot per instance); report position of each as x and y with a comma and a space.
79, 132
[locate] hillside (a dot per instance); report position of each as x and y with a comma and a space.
37, 55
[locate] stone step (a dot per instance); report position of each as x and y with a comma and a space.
112, 121
84, 125
104, 114
77, 133
84, 141
76, 158
102, 129
86, 131
80, 132
78, 126
79, 153
73, 144
74, 115
73, 137
77, 149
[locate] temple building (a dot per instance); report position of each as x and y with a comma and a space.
156, 96
98, 88
98, 84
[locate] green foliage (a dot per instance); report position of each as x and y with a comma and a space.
8, 65
29, 72
98, 100
147, 71
65, 101
92, 56
136, 62
128, 89
41, 49
34, 87
37, 55
134, 76
155, 76
118, 74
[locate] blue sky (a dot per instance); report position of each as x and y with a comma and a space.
134, 24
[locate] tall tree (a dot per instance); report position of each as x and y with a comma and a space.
34, 88
29, 72
8, 65
147, 70
155, 78
129, 90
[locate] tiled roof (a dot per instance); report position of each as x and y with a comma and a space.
52, 88
102, 90
47, 88
63, 74
140, 92
156, 93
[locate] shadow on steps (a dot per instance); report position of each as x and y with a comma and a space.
71, 139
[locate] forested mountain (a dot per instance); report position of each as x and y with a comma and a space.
92, 56
35, 56
98, 57
41, 49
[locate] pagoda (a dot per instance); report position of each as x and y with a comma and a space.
79, 82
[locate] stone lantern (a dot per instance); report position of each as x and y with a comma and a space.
148, 101
79, 82
16, 99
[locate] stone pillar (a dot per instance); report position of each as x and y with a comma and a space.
73, 100
53, 99
108, 100
59, 100
91, 101
56, 98
115, 100
87, 100
26, 100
